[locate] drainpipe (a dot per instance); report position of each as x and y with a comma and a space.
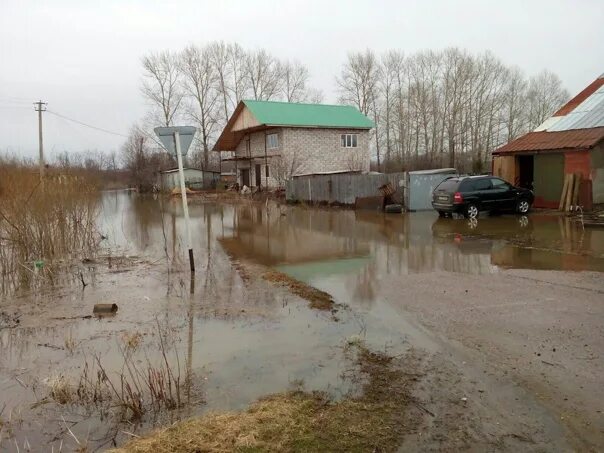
265, 160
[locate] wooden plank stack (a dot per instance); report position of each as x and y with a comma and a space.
570, 192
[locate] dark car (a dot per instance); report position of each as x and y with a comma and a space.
469, 195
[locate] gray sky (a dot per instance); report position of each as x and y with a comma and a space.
83, 56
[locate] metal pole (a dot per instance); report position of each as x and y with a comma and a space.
183, 193
40, 109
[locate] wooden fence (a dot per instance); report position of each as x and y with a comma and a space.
341, 188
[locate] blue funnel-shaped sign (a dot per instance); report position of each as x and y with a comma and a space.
166, 136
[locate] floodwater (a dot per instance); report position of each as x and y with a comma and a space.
238, 340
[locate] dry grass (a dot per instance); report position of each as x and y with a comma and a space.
132, 340
42, 221
318, 299
301, 421
247, 268
137, 388
60, 389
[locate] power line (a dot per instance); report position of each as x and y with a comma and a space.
86, 125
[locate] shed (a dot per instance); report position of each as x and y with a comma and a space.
571, 141
421, 184
195, 179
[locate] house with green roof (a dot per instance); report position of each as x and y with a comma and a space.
271, 142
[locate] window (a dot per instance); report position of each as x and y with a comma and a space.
272, 141
482, 184
499, 184
472, 185
449, 185
349, 140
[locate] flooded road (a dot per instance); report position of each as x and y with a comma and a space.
404, 281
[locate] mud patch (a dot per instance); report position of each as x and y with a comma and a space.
304, 421
8, 320
318, 299
248, 268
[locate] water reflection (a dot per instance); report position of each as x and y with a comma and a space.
355, 249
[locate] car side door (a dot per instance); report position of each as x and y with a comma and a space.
503, 195
482, 188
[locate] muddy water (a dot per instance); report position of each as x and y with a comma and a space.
240, 340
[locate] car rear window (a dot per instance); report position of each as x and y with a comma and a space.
448, 185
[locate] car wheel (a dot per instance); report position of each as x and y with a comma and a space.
472, 211
523, 206
442, 214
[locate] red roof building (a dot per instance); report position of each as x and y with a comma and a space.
570, 141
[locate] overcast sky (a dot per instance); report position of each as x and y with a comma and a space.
83, 56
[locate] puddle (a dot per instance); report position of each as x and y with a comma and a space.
240, 340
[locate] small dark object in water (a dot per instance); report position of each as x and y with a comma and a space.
104, 308
393, 208
369, 203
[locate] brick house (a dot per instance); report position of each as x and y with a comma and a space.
272, 142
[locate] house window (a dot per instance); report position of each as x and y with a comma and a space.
272, 141
349, 140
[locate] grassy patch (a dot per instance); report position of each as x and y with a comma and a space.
247, 267
318, 299
301, 421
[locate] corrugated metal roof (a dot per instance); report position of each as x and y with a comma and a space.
548, 123
588, 114
582, 96
554, 141
308, 115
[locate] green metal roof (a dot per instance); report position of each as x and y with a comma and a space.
311, 115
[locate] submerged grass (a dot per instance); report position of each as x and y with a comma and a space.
318, 299
301, 421
247, 268
42, 222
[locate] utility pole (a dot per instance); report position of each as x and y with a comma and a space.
40, 107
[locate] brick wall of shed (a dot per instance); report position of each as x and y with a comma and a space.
580, 162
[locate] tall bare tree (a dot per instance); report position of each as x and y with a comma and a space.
161, 84
545, 95
358, 81
295, 78
264, 75
200, 79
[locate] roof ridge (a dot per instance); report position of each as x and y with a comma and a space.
300, 103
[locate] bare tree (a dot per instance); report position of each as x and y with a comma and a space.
358, 80
515, 103
199, 81
295, 77
220, 57
142, 160
545, 95
314, 96
136, 158
446, 107
264, 75
161, 84
238, 68
286, 166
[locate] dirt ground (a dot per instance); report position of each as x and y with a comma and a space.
508, 361
524, 348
